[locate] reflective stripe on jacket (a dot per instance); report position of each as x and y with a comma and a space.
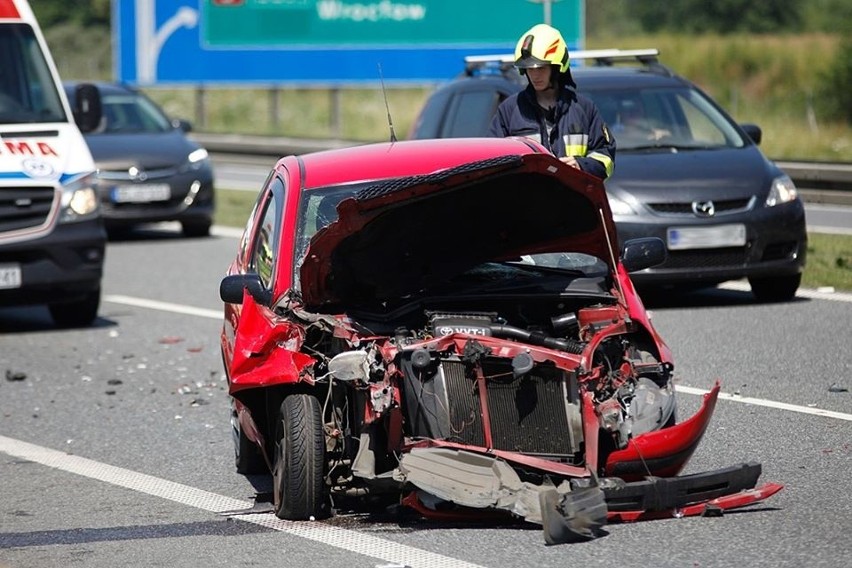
579, 129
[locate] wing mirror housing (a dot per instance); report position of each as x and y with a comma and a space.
231, 289
639, 254
87, 107
182, 124
754, 132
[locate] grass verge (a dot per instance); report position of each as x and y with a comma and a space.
829, 261
233, 207
829, 256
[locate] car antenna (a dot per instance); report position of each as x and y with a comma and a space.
385, 95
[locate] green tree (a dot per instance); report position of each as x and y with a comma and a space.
833, 16
721, 16
82, 12
835, 86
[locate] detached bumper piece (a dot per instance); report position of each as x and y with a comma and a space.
708, 494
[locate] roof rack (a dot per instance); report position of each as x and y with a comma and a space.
601, 57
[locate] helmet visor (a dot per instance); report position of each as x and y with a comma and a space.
530, 62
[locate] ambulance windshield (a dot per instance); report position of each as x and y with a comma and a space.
28, 93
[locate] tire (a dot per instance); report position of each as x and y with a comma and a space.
775, 289
299, 491
77, 314
248, 458
195, 228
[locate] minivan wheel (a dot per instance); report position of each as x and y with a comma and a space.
775, 288
195, 228
77, 314
298, 482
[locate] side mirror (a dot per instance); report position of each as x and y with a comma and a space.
754, 132
231, 289
87, 107
181, 124
639, 254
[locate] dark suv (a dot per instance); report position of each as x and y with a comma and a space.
684, 171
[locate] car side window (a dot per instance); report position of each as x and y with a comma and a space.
470, 114
265, 243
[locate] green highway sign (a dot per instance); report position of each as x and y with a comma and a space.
331, 24
322, 42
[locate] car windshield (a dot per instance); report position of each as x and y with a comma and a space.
132, 112
27, 90
679, 118
537, 272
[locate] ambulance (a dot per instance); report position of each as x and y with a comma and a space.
52, 239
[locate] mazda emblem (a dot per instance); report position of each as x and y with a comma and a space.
137, 174
703, 208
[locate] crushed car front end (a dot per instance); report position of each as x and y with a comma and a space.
507, 367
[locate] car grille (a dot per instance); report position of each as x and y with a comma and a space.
25, 207
527, 414
705, 258
150, 175
722, 207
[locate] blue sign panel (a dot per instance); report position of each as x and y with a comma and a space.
320, 42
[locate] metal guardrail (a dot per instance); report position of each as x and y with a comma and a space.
818, 182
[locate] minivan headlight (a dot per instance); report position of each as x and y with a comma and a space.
79, 200
620, 207
197, 159
782, 190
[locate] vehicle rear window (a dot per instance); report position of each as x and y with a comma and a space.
470, 114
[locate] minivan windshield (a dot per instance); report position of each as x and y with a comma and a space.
132, 113
675, 117
28, 93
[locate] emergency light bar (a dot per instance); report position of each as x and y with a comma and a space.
599, 56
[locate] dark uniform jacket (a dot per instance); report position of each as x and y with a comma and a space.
577, 128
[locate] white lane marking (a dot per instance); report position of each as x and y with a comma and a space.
351, 541
768, 403
163, 306
742, 286
231, 232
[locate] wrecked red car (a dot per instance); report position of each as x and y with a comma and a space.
448, 321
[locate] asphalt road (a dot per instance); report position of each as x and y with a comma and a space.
115, 446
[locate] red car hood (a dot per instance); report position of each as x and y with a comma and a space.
405, 234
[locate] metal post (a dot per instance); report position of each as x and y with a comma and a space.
335, 112
547, 5
200, 110
274, 115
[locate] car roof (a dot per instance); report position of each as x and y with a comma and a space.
400, 159
615, 77
598, 69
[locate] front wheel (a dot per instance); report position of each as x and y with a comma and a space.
776, 288
298, 481
77, 314
195, 228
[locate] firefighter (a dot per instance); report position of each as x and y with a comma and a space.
550, 111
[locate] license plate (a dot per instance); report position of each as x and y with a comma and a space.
681, 238
10, 276
141, 193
